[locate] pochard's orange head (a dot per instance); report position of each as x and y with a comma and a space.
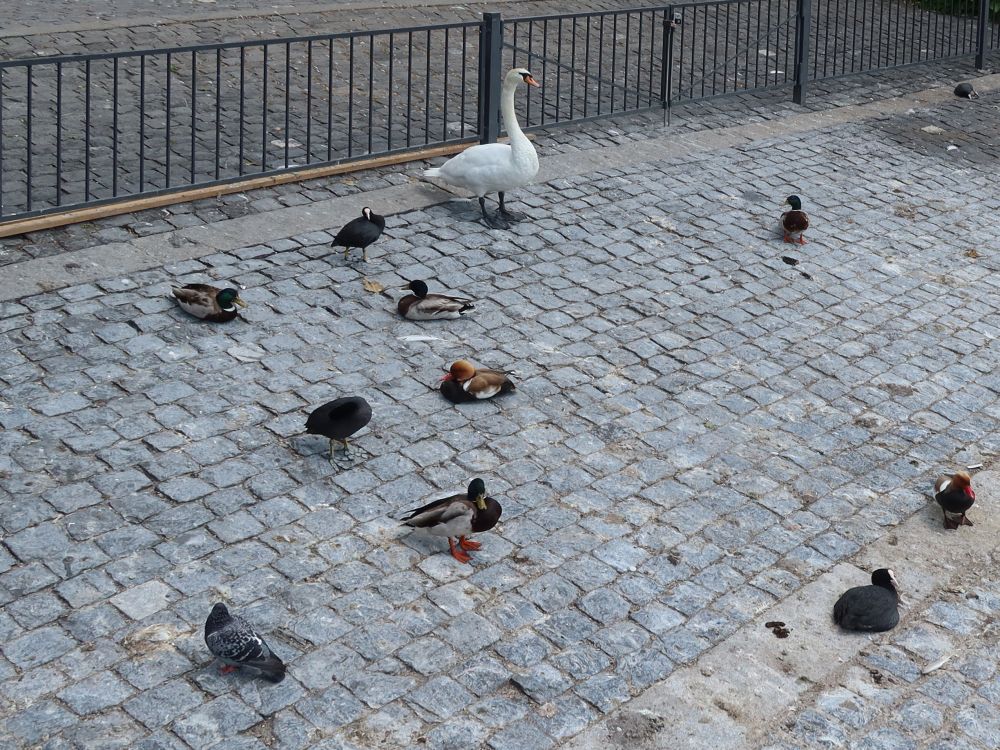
962, 481
461, 371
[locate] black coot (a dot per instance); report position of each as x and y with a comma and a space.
360, 232
870, 608
339, 419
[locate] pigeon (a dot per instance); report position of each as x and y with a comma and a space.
360, 232
965, 91
234, 641
871, 609
339, 419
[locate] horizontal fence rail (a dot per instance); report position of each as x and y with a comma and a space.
83, 130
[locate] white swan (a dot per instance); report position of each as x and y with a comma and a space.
495, 167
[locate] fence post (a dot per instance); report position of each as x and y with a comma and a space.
803, 22
490, 44
984, 25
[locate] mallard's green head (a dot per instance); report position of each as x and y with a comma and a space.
477, 493
228, 297
795, 202
419, 288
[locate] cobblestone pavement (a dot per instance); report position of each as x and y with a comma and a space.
699, 430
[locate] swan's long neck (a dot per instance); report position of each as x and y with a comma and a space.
510, 123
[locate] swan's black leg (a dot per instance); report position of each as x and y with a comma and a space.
509, 215
493, 222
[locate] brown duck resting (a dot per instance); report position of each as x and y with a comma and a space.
464, 383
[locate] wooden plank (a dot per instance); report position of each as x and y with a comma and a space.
49, 221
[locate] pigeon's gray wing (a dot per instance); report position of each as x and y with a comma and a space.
239, 644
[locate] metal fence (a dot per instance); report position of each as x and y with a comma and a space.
81, 130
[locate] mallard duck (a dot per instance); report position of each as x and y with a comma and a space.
234, 641
208, 302
423, 306
360, 232
339, 419
464, 382
794, 222
872, 608
457, 517
955, 496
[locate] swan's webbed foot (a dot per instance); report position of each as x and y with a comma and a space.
511, 216
496, 221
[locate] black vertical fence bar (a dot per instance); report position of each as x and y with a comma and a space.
725, 54
447, 68
854, 33
628, 47
572, 67
614, 59
586, 70
600, 63
194, 109
243, 79
142, 123
309, 100
29, 172
59, 74
263, 116
350, 100
392, 59
559, 68
981, 28
427, 91
288, 97
114, 130
545, 64
169, 77
529, 65
86, 130
371, 83
218, 108
465, 56
1, 142
409, 87
329, 101
638, 64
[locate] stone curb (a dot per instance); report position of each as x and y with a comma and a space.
736, 695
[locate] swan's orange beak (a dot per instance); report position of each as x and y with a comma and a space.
530, 80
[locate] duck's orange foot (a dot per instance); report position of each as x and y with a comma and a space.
788, 239
468, 543
457, 552
227, 668
802, 240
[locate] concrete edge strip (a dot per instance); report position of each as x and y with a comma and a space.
82, 266
736, 695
